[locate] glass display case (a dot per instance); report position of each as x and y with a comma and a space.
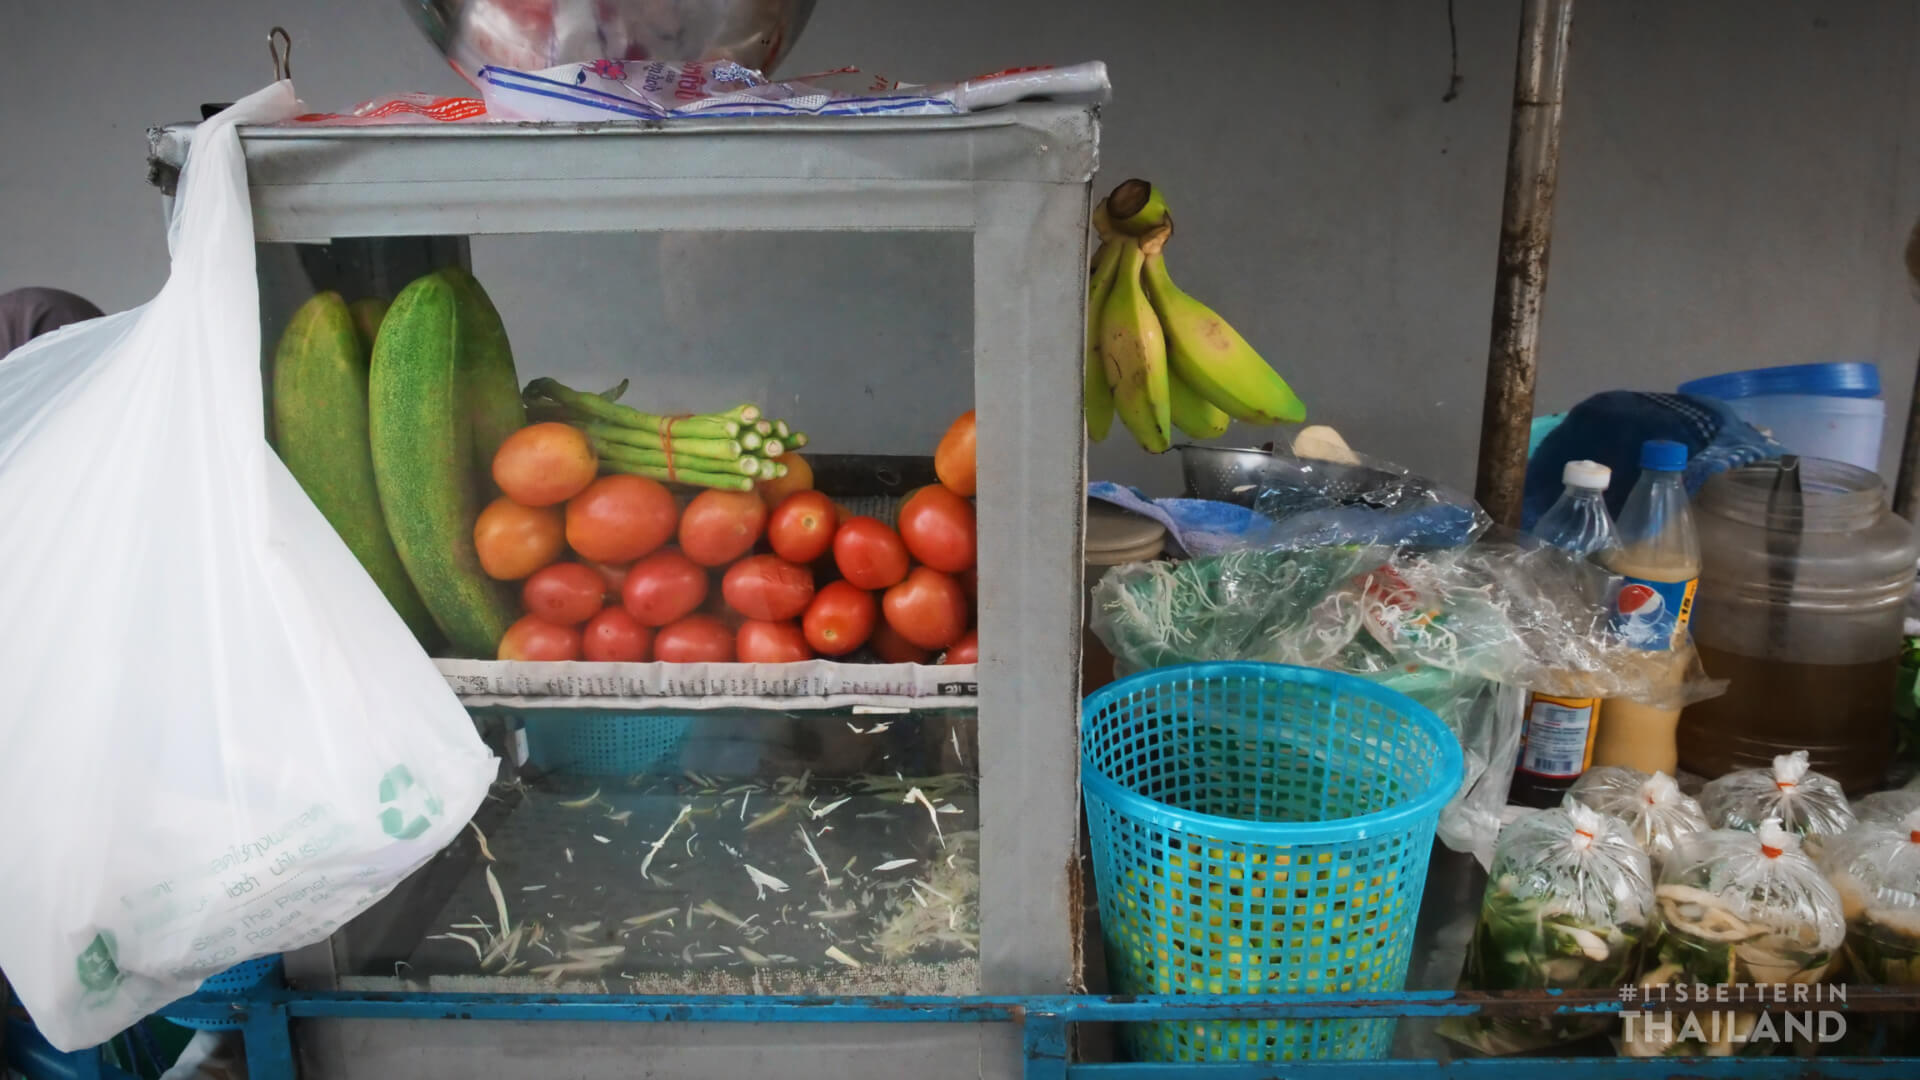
854, 829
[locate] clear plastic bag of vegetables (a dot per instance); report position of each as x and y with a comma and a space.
1875, 868
1888, 808
1737, 907
1805, 803
1653, 807
1569, 904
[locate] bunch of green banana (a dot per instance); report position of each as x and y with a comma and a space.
1156, 356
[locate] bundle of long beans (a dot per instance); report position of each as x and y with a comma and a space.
727, 450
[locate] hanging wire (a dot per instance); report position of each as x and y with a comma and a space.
280, 47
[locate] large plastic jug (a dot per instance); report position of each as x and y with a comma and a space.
1803, 584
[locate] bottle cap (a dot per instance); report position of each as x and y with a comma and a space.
1590, 475
1663, 455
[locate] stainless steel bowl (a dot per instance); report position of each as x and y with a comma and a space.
1241, 476
535, 34
1221, 473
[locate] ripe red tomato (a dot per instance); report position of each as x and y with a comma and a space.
620, 518
566, 593
953, 461
514, 541
718, 527
544, 464
615, 635
759, 642
615, 575
929, 608
534, 638
891, 648
767, 587
869, 555
801, 528
938, 529
840, 619
663, 587
964, 651
696, 639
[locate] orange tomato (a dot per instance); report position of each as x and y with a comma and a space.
759, 642
544, 464
938, 529
801, 528
718, 527
964, 651
619, 518
953, 461
799, 478
929, 608
615, 635
869, 554
567, 593
891, 648
514, 540
840, 619
534, 638
768, 588
696, 639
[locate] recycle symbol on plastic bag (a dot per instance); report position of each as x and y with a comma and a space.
412, 807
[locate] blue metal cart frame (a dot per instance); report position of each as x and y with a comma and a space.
1045, 1023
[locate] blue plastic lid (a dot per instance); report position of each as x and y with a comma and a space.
1663, 455
1852, 378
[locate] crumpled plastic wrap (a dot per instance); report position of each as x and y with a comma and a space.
1655, 811
1738, 907
1806, 803
1888, 808
1314, 503
1464, 631
1569, 906
1875, 869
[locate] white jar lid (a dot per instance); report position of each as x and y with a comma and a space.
1586, 474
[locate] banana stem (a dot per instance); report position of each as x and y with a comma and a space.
1154, 240
1135, 207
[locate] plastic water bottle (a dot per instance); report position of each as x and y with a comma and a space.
1579, 521
1556, 739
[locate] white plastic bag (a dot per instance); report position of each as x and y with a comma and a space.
218, 740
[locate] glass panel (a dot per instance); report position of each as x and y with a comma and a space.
719, 852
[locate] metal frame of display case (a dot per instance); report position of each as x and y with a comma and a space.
1018, 180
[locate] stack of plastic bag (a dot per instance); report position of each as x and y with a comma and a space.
1737, 907
1805, 803
1568, 906
1655, 811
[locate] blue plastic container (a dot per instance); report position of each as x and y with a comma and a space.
1260, 828
589, 743
1830, 411
242, 976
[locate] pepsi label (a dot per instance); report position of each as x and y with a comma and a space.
1653, 615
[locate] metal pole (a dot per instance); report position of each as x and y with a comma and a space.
1526, 227
1906, 490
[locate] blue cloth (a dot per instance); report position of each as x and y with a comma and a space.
1199, 526
1609, 428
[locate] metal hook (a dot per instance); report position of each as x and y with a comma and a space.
282, 61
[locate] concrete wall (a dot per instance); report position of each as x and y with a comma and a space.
1737, 181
